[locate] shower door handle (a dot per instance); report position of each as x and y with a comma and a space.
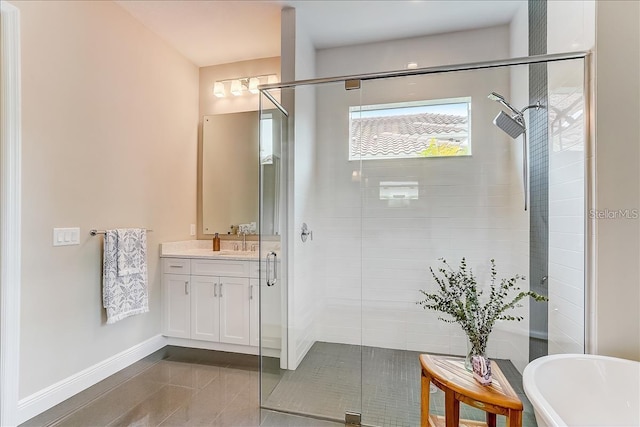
271, 281
525, 169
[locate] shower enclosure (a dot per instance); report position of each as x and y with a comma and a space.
380, 176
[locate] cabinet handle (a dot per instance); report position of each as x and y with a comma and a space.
176, 266
186, 288
220, 290
250, 291
215, 289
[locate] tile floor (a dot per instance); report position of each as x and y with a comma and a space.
188, 387
175, 387
328, 382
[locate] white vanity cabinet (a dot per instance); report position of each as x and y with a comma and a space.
177, 303
205, 308
210, 300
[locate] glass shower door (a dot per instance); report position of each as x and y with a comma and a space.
317, 371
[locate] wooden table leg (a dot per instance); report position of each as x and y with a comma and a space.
424, 399
514, 419
491, 419
451, 409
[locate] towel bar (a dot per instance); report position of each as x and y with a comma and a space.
95, 232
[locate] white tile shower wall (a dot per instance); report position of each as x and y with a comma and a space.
303, 286
338, 229
570, 27
378, 255
566, 208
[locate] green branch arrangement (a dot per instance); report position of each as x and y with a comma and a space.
459, 297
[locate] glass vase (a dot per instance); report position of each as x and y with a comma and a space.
471, 351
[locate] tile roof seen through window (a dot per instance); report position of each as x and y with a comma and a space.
410, 135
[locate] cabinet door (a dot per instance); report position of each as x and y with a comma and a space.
205, 308
234, 310
176, 305
254, 312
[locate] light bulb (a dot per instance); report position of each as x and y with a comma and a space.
218, 90
253, 85
236, 88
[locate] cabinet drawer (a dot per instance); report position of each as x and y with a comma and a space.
200, 267
176, 266
254, 271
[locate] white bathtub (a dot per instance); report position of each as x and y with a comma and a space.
583, 390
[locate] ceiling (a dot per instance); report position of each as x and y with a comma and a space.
219, 32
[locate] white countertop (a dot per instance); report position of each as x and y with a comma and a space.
202, 249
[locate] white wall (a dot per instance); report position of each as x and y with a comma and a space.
441, 49
465, 208
109, 140
617, 178
302, 285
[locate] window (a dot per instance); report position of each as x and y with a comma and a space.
438, 128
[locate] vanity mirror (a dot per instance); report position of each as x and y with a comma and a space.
231, 162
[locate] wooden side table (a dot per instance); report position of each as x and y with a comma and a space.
449, 375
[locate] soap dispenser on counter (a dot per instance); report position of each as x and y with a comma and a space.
216, 243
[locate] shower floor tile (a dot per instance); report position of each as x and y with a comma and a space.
328, 381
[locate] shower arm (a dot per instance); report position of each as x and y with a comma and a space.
513, 109
537, 106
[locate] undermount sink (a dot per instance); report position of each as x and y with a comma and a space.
237, 253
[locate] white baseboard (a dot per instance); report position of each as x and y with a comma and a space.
208, 345
56, 393
303, 350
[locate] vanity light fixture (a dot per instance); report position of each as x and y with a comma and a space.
242, 85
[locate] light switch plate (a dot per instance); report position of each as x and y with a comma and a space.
66, 236
193, 229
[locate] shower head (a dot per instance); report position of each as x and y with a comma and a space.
496, 97
513, 126
499, 98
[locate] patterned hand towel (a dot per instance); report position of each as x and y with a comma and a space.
126, 294
131, 250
